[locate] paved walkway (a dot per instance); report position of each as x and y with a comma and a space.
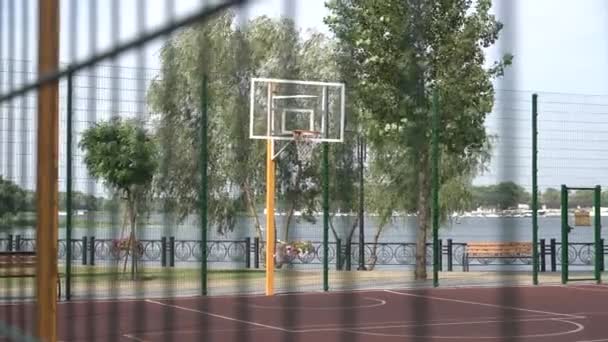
286, 281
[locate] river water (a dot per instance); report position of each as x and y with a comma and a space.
400, 229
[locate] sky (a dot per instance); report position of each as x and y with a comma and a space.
559, 50
558, 46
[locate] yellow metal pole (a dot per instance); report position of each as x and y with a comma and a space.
270, 232
47, 173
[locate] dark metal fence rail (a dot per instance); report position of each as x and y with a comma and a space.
167, 251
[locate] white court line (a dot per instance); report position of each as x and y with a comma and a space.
601, 340
402, 325
579, 328
131, 337
340, 327
219, 316
363, 325
592, 313
379, 302
569, 316
192, 331
586, 289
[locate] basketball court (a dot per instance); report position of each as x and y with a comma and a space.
525, 313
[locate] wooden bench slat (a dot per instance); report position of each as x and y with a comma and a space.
22, 264
499, 249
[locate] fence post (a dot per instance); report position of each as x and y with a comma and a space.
440, 260
256, 255
92, 250
338, 254
465, 259
85, 244
9, 245
163, 251
553, 256
347, 249
18, 243
543, 262
602, 266
69, 144
450, 256
172, 251
248, 252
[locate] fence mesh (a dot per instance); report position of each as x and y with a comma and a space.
169, 256
191, 220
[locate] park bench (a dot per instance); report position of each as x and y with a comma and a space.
21, 264
497, 250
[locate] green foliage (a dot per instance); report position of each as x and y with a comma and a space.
230, 56
394, 54
121, 153
581, 198
81, 201
12, 198
551, 198
502, 196
124, 156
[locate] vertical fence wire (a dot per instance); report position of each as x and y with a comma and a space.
169, 290
115, 21
25, 117
71, 105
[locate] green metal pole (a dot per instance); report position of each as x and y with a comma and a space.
598, 235
565, 231
361, 152
68, 191
435, 155
326, 199
326, 217
535, 189
204, 190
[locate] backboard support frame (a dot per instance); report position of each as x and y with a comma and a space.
273, 137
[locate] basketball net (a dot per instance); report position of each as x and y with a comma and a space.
305, 144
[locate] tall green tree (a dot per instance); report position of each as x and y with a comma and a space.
396, 54
230, 54
581, 198
504, 195
124, 155
551, 197
12, 198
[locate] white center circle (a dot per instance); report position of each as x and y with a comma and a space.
375, 302
577, 328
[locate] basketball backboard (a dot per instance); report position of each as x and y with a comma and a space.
280, 107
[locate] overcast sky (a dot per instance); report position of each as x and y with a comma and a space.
559, 46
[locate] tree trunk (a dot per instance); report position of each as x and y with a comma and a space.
252, 209
423, 217
288, 220
352, 229
372, 263
294, 202
130, 241
134, 243
331, 226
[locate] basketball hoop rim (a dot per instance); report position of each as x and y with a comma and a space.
302, 134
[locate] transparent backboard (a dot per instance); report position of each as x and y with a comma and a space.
278, 107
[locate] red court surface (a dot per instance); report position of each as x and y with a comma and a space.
548, 313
